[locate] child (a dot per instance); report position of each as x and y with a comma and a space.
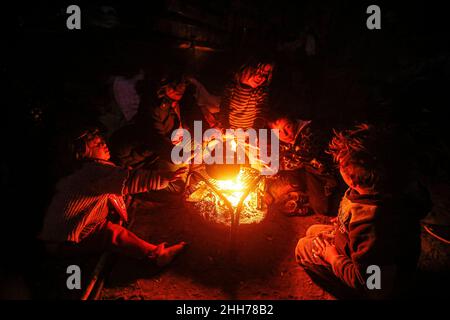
167, 115
301, 159
78, 218
378, 220
245, 100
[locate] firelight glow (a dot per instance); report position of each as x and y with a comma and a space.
256, 150
208, 203
233, 190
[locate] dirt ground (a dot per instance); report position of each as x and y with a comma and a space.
262, 266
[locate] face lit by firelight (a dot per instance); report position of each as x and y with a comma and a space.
257, 77
175, 91
286, 130
97, 149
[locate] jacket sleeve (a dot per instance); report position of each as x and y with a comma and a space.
367, 247
140, 181
350, 269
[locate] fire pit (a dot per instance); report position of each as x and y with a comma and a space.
234, 201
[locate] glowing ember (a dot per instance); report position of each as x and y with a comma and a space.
233, 145
232, 190
209, 197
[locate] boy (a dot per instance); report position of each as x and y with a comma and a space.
300, 154
378, 221
245, 100
78, 218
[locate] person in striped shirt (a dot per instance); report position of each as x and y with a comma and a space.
245, 100
78, 219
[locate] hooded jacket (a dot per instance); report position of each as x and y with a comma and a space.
380, 230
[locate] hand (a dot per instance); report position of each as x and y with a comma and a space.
246, 76
324, 250
178, 137
217, 125
334, 221
171, 176
209, 117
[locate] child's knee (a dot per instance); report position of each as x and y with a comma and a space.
302, 249
316, 229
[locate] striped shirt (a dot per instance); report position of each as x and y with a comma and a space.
82, 200
244, 107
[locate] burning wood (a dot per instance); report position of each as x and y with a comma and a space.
229, 202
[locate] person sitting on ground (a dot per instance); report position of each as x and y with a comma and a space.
169, 106
303, 161
81, 214
244, 103
148, 136
378, 222
167, 113
148, 142
299, 145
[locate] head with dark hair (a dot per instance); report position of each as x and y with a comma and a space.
256, 71
369, 157
287, 126
89, 144
172, 85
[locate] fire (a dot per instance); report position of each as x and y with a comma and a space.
233, 145
233, 190
233, 201
224, 201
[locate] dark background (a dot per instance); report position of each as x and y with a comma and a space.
53, 79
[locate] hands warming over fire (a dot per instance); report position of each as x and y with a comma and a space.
324, 249
171, 176
177, 137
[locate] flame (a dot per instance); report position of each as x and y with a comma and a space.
212, 207
208, 198
251, 151
233, 190
233, 145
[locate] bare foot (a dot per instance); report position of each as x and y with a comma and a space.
164, 255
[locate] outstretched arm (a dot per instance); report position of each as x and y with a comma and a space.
140, 181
